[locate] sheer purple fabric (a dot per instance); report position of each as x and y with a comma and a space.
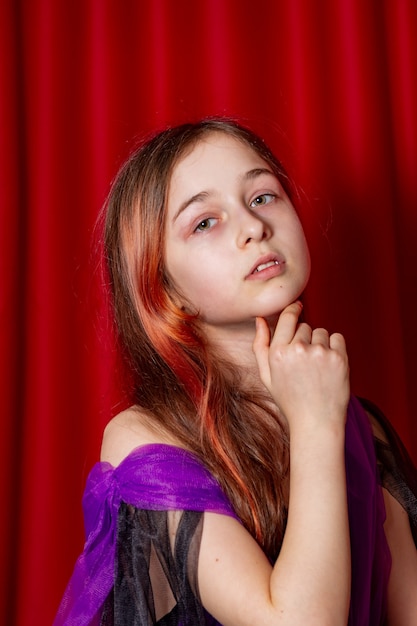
371, 558
153, 477
160, 477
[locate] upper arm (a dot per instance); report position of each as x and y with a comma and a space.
233, 574
402, 587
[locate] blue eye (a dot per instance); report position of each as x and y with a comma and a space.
205, 224
264, 198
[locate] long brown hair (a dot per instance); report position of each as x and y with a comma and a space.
189, 391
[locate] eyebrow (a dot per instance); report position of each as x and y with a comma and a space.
198, 197
202, 195
259, 171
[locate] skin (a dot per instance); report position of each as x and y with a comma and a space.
226, 214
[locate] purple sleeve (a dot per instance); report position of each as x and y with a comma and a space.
154, 477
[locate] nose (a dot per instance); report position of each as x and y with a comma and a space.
252, 228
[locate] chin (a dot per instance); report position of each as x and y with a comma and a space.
272, 319
272, 313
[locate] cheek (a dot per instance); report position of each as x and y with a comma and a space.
198, 285
191, 263
300, 242
304, 262
306, 253
191, 278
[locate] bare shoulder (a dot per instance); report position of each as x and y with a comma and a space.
128, 430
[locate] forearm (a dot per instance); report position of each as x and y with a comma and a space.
311, 578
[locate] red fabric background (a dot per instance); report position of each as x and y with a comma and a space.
331, 84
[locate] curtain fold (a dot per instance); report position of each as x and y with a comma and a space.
330, 84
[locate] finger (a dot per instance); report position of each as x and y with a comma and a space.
261, 348
287, 323
321, 336
337, 342
303, 333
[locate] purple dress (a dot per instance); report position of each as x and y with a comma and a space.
128, 573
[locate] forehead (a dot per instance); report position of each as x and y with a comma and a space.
216, 152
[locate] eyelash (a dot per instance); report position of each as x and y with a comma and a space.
253, 204
201, 230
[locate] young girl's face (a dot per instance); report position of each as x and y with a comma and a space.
234, 246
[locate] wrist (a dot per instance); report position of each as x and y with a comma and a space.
321, 440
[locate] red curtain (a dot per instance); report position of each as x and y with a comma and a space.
331, 84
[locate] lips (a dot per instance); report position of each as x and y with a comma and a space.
266, 262
263, 266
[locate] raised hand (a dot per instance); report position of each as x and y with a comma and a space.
306, 371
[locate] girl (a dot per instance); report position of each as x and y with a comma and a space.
242, 486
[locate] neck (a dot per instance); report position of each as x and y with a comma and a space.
235, 342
